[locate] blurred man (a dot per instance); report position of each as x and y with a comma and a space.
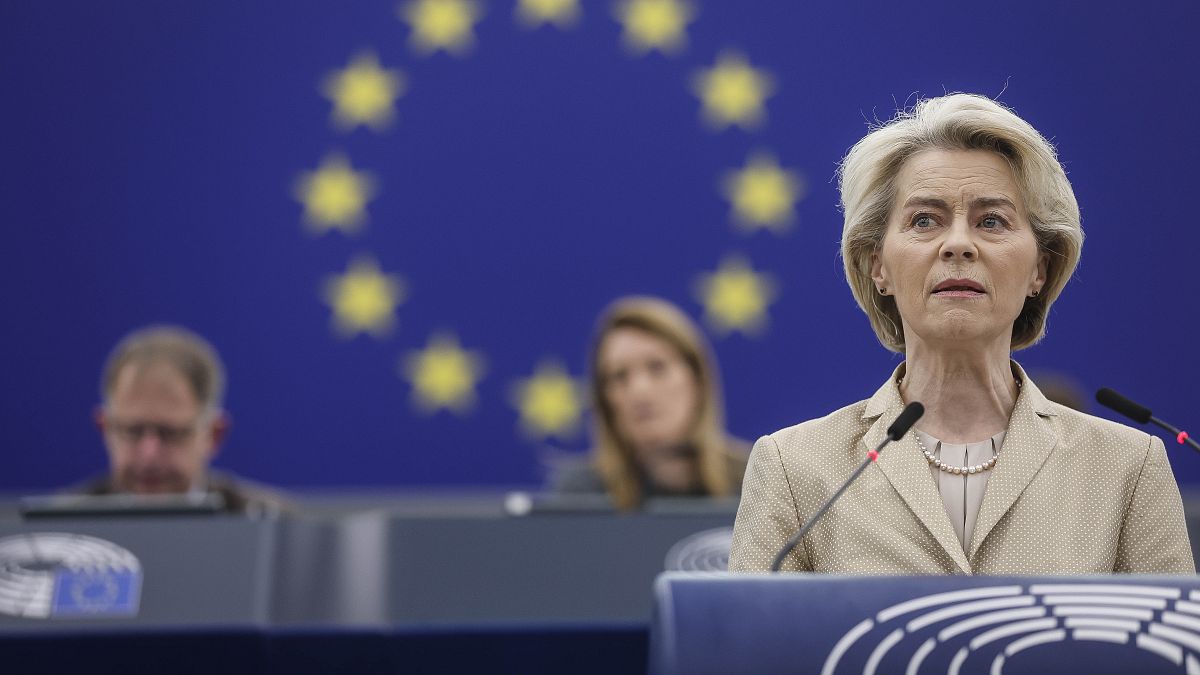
162, 421
1062, 389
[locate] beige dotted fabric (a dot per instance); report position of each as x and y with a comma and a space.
1074, 494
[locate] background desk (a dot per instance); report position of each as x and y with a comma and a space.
433, 587
446, 567
378, 585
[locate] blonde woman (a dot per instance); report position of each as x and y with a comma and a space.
658, 416
960, 231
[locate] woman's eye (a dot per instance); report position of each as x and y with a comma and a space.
656, 367
923, 221
991, 223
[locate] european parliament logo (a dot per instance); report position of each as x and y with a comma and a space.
705, 551
339, 194
1014, 628
59, 575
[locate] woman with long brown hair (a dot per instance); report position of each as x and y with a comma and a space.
658, 427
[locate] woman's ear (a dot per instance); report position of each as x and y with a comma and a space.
877, 274
1043, 265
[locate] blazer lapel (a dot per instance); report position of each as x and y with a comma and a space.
907, 470
1027, 443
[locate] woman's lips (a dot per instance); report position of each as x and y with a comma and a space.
644, 416
958, 288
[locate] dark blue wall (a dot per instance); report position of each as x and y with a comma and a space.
149, 153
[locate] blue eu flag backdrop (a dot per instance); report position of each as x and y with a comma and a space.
398, 220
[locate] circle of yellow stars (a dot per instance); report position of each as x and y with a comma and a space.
732, 92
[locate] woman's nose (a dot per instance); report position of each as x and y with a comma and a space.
640, 382
958, 242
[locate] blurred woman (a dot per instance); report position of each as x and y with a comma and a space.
658, 416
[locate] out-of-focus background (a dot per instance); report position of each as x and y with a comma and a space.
398, 227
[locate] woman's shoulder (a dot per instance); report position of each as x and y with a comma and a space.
576, 475
1097, 434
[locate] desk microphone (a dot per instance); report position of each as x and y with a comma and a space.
904, 421
1141, 414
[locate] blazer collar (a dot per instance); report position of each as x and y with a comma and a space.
907, 470
1027, 443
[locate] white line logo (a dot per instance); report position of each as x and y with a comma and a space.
971, 624
705, 551
52, 574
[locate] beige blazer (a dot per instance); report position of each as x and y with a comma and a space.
1070, 494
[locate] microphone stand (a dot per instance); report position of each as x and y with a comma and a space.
912, 412
1181, 436
795, 538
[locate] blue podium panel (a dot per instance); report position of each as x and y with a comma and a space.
834, 625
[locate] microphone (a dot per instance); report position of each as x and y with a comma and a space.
904, 421
1141, 414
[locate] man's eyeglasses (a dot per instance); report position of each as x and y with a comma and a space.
166, 434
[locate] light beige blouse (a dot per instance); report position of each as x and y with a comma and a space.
962, 495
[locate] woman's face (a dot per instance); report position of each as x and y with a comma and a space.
651, 391
959, 254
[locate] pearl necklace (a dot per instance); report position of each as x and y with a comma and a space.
950, 468
957, 470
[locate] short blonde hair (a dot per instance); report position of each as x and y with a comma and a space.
956, 122
614, 458
186, 351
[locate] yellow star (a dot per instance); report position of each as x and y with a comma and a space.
763, 194
364, 299
654, 24
335, 195
448, 25
363, 93
443, 375
549, 402
732, 92
735, 297
534, 13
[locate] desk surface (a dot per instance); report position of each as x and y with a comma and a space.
443, 565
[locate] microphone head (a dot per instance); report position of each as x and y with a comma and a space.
1111, 399
908, 417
